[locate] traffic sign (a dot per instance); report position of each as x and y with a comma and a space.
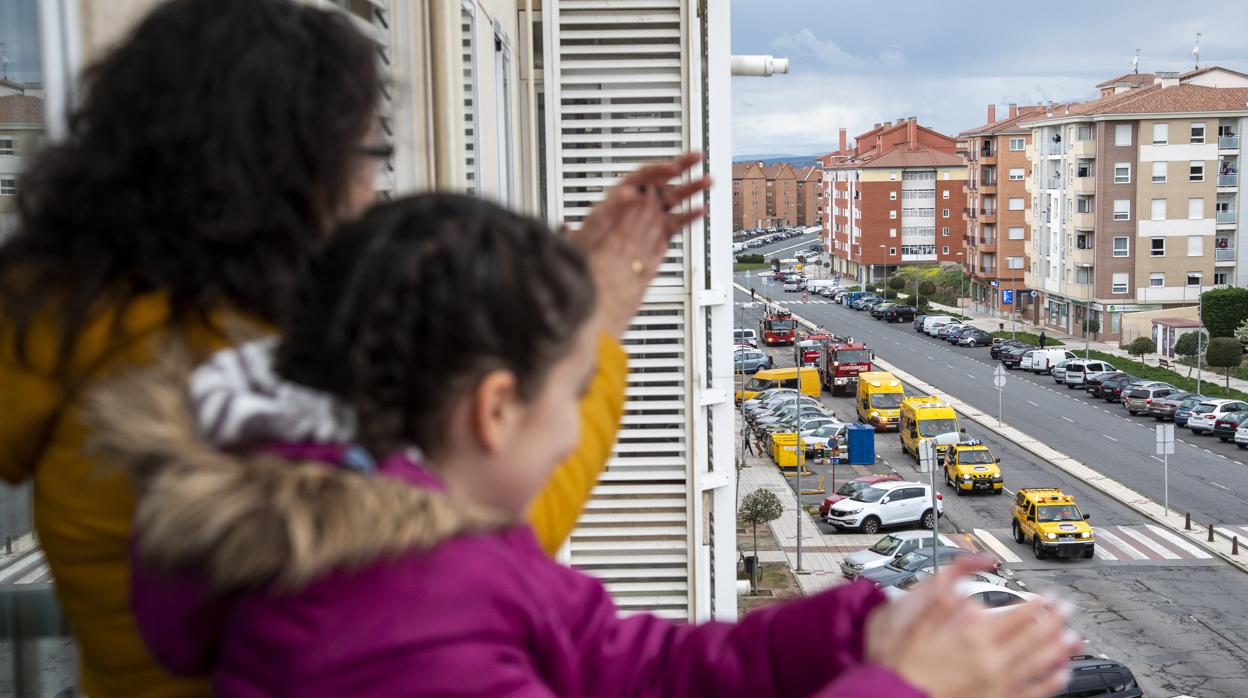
994, 283
1165, 439
998, 377
1007, 296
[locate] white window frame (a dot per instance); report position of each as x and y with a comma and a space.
1119, 282
1018, 144
1152, 247
1021, 174
892, 232
1159, 179
1157, 210
1198, 125
1193, 164
1122, 135
944, 194
944, 249
1197, 242
944, 213
1200, 276
892, 215
1161, 134
8, 185
1013, 262
1124, 178
1126, 248
892, 196
1157, 279
1016, 203
1015, 233
7, 145
1219, 275
1125, 213
944, 231
504, 121
472, 98
1196, 208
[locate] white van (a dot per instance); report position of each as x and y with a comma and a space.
1043, 360
932, 323
742, 335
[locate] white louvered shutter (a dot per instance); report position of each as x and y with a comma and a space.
618, 94
472, 144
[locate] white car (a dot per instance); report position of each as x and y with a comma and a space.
886, 504
1028, 360
987, 588
887, 549
1206, 413
932, 323
1044, 360
742, 335
1077, 371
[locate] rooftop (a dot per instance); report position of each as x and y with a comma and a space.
21, 109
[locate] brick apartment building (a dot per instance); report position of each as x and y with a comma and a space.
896, 197
776, 195
1136, 199
997, 233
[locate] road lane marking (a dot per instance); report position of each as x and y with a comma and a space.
1068, 419
972, 377
1110, 438
1033, 404
1211, 482
1101, 552
1178, 542
1157, 459
996, 546
1117, 544
930, 358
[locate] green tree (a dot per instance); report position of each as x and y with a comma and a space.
1241, 332
897, 283
1225, 353
758, 508
1141, 346
927, 288
1093, 326
890, 294
1223, 310
1189, 347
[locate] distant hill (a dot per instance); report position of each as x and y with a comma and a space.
774, 159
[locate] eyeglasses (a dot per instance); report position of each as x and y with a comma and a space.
380, 151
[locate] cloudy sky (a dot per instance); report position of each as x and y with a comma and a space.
19, 24
853, 64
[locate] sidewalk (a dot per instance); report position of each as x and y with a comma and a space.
990, 323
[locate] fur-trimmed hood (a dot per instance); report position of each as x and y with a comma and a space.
247, 518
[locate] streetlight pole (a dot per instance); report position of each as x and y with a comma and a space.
1200, 331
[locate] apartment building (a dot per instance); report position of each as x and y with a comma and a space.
896, 197
21, 132
545, 110
997, 234
765, 196
1136, 199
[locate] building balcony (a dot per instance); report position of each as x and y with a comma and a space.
1224, 254
1083, 185
1228, 142
987, 158
987, 215
1082, 257
970, 213
1053, 150
1083, 149
1228, 180
988, 187
988, 246
1226, 218
1053, 183
1084, 221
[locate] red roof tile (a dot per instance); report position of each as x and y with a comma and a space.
21, 109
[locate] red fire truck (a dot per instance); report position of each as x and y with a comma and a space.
777, 326
842, 362
809, 350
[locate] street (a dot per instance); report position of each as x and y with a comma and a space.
1148, 598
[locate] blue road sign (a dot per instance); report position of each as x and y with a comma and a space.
1007, 297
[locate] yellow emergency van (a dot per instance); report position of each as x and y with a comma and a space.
1051, 521
970, 467
924, 418
879, 399
808, 383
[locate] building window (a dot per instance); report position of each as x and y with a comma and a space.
1122, 247
892, 251
944, 194
1122, 173
1083, 275
1219, 278
1120, 281
892, 214
892, 196
1198, 133
1195, 246
1122, 209
944, 250
945, 176
1159, 171
1157, 247
1159, 210
892, 176
944, 232
892, 232
1015, 233
8, 186
1161, 134
944, 213
1013, 262
1122, 134
1195, 278
1157, 279
1196, 209
6, 146
1196, 171
1017, 144
1016, 174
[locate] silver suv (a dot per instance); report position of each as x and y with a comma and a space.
1078, 372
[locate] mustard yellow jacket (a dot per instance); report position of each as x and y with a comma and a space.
83, 512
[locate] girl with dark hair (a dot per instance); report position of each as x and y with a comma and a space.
214, 151
387, 555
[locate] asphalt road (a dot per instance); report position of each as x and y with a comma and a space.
1177, 622
786, 249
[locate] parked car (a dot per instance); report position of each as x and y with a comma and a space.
1141, 397
904, 586
860, 302
918, 321
1207, 413
898, 313
1004, 344
1013, 356
879, 309
913, 561
852, 487
954, 336
1185, 407
975, 337
1090, 376
1163, 408
1096, 383
1059, 371
1078, 370
829, 435
1112, 387
887, 549
742, 335
1226, 426
995, 597
886, 504
870, 304
943, 332
1028, 360
1098, 677
752, 361
933, 323
1044, 360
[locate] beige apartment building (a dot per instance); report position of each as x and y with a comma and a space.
21, 133
1136, 199
782, 196
997, 234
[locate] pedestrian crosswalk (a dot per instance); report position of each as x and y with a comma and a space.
29, 567
1134, 544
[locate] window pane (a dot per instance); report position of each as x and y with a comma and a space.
1161, 134
1159, 171
1158, 247
1157, 279
1196, 208
1016, 233
1122, 134
1159, 209
1195, 246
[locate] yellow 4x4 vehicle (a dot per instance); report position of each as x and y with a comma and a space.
971, 467
1052, 522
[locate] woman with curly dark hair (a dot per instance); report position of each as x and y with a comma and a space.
216, 148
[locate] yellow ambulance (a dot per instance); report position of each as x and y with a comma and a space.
924, 418
879, 399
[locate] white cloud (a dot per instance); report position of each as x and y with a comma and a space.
830, 54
